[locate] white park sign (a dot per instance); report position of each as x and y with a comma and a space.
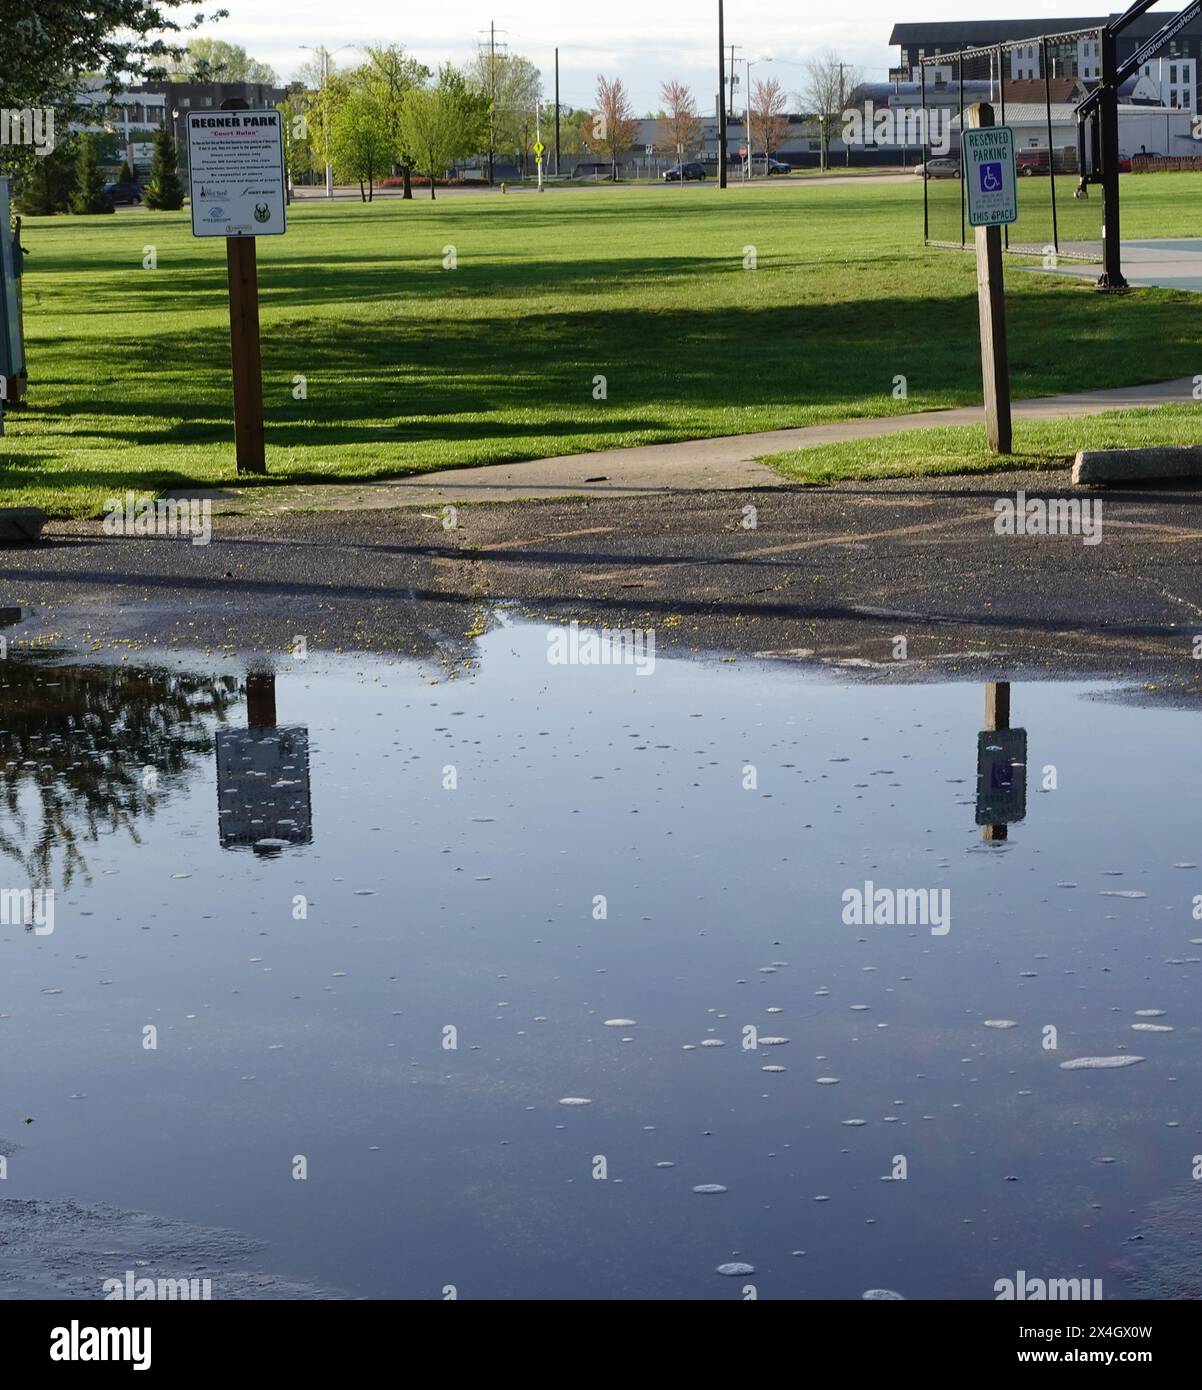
989, 176
236, 173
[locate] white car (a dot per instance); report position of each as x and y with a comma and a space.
939, 168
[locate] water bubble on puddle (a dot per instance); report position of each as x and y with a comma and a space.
1151, 1028
708, 1189
619, 1022
772, 1069
735, 1268
1099, 1063
665, 1164
712, 1042
1150, 1013
773, 1042
827, 1080
688, 1047
853, 1124
1000, 1023
859, 1008
1115, 893
883, 1296
575, 1100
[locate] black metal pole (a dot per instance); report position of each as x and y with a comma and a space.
1047, 96
963, 191
557, 113
922, 149
721, 99
1108, 118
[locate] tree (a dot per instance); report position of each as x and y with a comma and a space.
391, 74
680, 117
164, 192
125, 174
89, 194
512, 88
573, 126
442, 123
769, 123
47, 186
298, 153
829, 84
614, 126
362, 145
45, 47
214, 60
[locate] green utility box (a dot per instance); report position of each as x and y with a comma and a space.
12, 342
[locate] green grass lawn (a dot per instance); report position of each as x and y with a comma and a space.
962, 448
410, 366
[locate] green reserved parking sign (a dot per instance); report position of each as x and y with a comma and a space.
989, 176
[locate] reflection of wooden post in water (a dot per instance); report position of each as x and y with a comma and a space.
997, 716
263, 800
260, 699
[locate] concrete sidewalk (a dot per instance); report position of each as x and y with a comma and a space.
1172, 264
697, 465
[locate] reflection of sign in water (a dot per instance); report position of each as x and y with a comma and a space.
263, 788
1001, 776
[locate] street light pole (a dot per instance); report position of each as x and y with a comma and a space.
325, 119
325, 54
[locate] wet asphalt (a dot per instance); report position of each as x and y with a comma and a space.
830, 576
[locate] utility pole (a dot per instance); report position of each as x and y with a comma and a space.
721, 101
492, 94
557, 113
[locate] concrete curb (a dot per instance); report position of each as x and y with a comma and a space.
1093, 466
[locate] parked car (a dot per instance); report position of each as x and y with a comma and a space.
939, 168
121, 192
761, 164
1030, 162
692, 170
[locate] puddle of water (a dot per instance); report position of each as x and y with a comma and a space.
411, 982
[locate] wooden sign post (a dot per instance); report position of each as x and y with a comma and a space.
245, 356
236, 184
988, 168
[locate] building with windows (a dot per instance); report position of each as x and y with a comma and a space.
1174, 71
136, 114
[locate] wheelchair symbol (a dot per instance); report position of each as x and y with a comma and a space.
991, 178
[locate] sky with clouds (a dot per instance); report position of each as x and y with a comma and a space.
644, 43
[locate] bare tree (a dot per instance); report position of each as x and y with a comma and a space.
681, 120
829, 84
769, 121
613, 129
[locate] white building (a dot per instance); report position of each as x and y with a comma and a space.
1175, 79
